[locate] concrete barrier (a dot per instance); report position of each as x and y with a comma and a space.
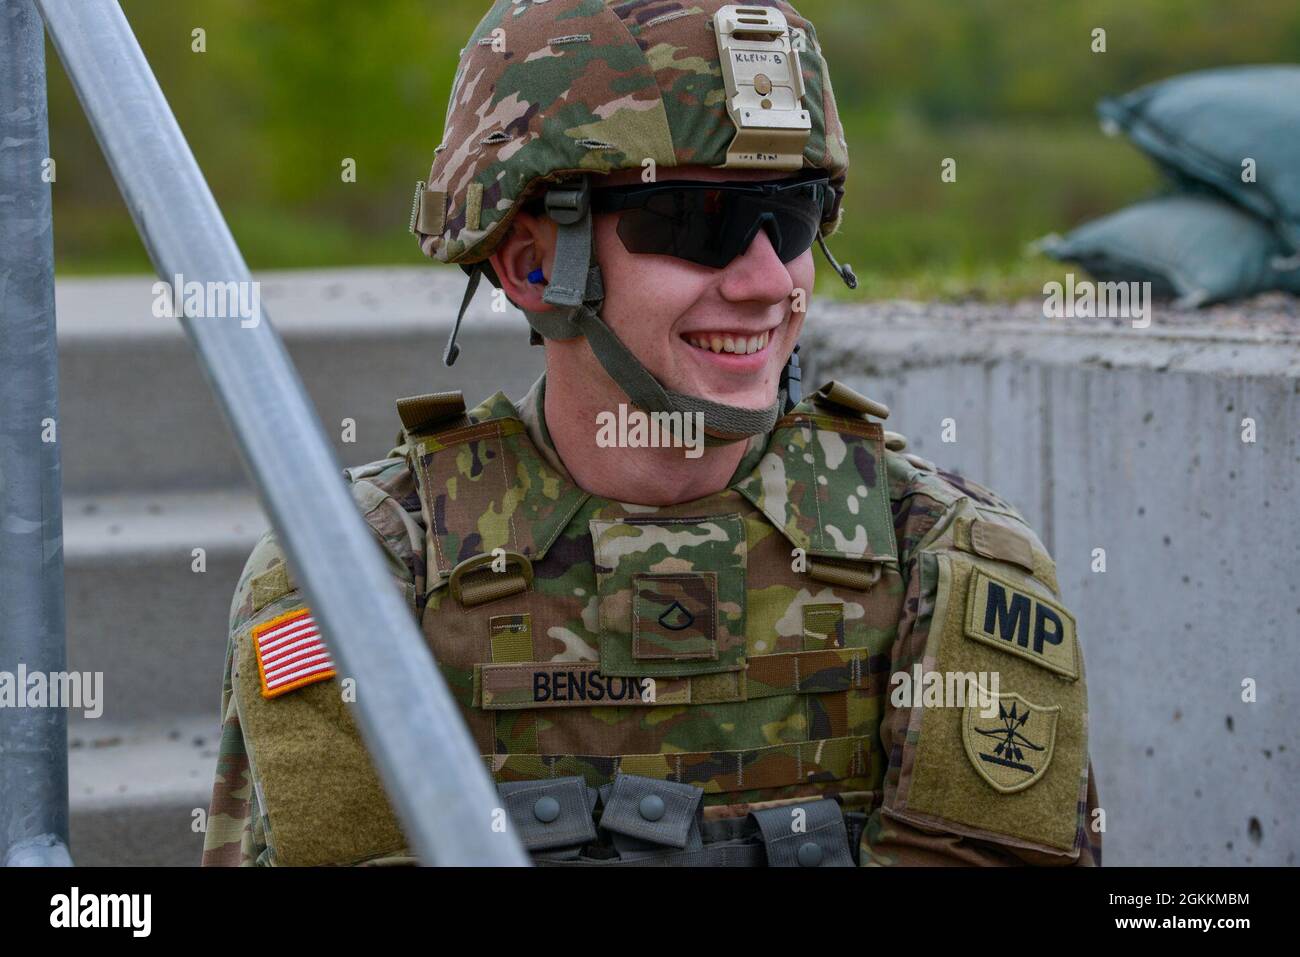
1105, 436
1127, 440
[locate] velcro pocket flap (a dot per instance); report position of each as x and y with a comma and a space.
805, 835
671, 595
661, 812
551, 814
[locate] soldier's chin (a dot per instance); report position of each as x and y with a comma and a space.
756, 396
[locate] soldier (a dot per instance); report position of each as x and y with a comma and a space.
670, 655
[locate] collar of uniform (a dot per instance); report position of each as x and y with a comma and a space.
831, 459
531, 410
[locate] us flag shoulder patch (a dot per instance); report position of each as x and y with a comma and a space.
290, 653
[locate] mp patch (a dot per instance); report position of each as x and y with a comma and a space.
1012, 750
1007, 616
290, 653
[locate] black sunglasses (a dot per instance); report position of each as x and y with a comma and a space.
713, 223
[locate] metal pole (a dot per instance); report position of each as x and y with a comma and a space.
429, 765
33, 740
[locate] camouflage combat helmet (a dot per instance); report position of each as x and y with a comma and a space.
550, 92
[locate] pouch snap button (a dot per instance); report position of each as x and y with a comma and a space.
651, 807
810, 854
547, 809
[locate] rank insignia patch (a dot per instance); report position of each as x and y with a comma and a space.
290, 653
1011, 750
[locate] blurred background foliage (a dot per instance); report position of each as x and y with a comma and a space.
287, 89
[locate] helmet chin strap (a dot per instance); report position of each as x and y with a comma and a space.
576, 286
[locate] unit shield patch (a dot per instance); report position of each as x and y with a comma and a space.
1012, 750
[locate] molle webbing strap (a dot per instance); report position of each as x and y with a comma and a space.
421, 412
511, 637
488, 585
843, 576
475, 581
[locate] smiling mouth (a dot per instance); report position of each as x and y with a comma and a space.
719, 342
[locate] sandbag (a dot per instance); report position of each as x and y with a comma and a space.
1204, 126
1196, 248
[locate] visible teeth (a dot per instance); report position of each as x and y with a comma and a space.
725, 343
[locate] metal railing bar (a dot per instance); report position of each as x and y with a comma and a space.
33, 740
433, 773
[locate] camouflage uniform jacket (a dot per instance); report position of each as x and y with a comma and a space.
757, 643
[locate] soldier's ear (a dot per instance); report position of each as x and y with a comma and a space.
530, 244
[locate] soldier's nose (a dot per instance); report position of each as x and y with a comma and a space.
757, 275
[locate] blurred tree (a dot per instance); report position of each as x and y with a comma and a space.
287, 90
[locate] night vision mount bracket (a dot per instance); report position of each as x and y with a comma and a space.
760, 68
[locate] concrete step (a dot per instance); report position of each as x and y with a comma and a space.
137, 610
134, 788
136, 412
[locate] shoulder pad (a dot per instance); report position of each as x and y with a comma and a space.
912, 474
422, 412
483, 485
1009, 763
386, 495
822, 482
292, 717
